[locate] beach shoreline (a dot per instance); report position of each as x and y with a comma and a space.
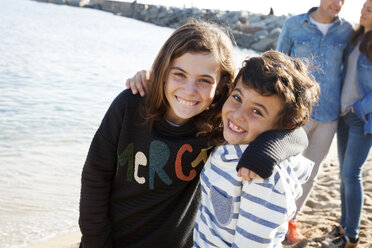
69, 240
322, 210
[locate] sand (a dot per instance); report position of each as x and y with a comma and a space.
322, 210
70, 240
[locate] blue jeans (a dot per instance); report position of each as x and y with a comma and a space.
353, 149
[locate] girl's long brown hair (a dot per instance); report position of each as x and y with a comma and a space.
195, 37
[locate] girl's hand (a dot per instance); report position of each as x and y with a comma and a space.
247, 174
139, 82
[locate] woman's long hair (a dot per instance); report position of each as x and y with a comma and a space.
365, 46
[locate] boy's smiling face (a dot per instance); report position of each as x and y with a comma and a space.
246, 114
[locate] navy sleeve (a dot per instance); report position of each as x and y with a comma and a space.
272, 147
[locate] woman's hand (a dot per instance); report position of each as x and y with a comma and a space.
139, 82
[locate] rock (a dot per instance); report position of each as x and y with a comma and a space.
57, 1
77, 3
243, 40
264, 45
250, 29
93, 6
254, 31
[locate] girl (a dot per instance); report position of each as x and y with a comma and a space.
354, 131
140, 182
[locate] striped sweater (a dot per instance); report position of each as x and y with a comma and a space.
250, 214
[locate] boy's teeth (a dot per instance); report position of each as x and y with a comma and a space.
235, 128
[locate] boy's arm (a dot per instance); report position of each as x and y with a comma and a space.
271, 147
139, 82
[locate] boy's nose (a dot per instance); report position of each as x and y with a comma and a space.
239, 114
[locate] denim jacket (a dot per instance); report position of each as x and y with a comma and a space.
301, 38
363, 107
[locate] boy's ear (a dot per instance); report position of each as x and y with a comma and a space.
292, 126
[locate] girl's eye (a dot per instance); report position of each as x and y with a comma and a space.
203, 80
179, 75
257, 112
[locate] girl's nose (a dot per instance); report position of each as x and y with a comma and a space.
190, 86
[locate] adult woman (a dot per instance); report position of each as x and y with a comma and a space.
354, 132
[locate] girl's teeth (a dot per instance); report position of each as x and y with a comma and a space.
187, 103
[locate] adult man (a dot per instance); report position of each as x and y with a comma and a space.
320, 36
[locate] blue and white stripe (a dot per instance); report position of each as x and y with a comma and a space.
255, 213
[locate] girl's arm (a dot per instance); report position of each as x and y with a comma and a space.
95, 192
96, 181
271, 147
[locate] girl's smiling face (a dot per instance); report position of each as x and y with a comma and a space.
246, 114
191, 85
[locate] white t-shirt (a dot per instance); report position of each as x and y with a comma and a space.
323, 27
350, 91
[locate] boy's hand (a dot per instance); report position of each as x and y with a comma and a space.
247, 174
138, 82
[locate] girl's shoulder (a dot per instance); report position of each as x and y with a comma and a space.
126, 96
124, 104
126, 100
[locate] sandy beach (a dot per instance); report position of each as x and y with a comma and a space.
322, 210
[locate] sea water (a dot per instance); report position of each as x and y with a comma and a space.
60, 68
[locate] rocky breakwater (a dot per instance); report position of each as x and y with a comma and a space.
250, 30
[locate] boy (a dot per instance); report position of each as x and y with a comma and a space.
272, 92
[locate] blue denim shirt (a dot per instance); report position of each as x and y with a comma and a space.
363, 107
302, 39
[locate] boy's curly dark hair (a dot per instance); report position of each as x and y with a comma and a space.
275, 73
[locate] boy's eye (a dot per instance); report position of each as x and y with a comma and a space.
257, 112
236, 98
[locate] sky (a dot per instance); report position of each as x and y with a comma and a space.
350, 10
